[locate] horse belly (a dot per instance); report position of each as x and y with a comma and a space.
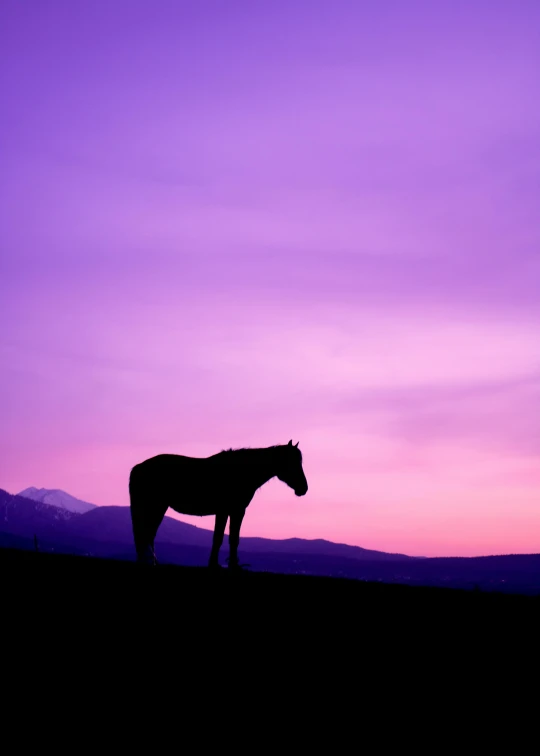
195, 507
193, 491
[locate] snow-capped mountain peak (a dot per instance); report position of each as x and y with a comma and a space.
57, 498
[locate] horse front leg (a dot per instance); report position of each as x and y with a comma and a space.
234, 536
219, 532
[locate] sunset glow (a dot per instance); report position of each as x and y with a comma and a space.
233, 224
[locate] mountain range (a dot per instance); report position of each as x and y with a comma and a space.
54, 521
47, 513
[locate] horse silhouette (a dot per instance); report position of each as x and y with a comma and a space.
222, 485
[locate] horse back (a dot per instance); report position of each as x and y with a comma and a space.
164, 466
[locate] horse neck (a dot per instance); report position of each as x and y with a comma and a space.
263, 465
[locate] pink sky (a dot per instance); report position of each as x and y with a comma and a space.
235, 224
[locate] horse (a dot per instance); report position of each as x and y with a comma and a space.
222, 485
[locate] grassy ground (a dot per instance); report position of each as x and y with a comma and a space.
123, 594
90, 636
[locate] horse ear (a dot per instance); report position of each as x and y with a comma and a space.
296, 444
290, 443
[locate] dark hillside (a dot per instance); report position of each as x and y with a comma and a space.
180, 640
296, 609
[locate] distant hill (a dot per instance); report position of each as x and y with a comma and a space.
114, 524
106, 532
57, 498
320, 546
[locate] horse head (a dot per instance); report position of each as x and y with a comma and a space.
290, 469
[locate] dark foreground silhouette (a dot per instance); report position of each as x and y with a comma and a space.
222, 485
127, 648
174, 612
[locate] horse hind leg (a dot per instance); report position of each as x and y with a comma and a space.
154, 520
146, 522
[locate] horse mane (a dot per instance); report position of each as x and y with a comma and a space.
240, 450
249, 448
245, 450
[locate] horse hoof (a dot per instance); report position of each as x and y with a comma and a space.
238, 567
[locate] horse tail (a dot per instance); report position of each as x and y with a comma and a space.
138, 517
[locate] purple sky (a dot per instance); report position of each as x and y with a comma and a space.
236, 223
